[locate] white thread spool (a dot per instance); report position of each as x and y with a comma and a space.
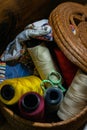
42, 59
75, 98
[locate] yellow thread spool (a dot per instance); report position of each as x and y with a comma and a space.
21, 86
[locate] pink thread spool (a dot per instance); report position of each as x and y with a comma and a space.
31, 106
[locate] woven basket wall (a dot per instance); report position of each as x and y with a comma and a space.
22, 124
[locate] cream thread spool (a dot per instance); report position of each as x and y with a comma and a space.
42, 59
75, 98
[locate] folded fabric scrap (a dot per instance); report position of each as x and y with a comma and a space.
17, 70
85, 127
38, 30
2, 71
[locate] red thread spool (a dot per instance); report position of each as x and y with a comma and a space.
68, 69
31, 106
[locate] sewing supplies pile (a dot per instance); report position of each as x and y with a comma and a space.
43, 71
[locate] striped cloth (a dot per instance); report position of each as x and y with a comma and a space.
2, 71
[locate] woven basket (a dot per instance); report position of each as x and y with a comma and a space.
22, 124
72, 45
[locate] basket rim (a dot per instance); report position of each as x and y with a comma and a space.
40, 124
67, 43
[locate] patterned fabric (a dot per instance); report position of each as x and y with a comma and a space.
14, 71
2, 71
38, 30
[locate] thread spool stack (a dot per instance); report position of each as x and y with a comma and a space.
75, 98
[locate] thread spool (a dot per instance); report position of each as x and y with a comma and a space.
68, 69
31, 106
7, 92
17, 87
42, 59
53, 97
75, 98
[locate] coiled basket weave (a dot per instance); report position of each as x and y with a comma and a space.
69, 23
20, 123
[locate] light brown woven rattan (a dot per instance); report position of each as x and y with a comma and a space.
64, 15
83, 32
20, 123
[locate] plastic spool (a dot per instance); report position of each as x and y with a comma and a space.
31, 106
53, 97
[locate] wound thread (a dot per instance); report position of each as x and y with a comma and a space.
42, 59
32, 106
75, 98
21, 86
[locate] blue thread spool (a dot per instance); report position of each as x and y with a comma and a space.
53, 97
